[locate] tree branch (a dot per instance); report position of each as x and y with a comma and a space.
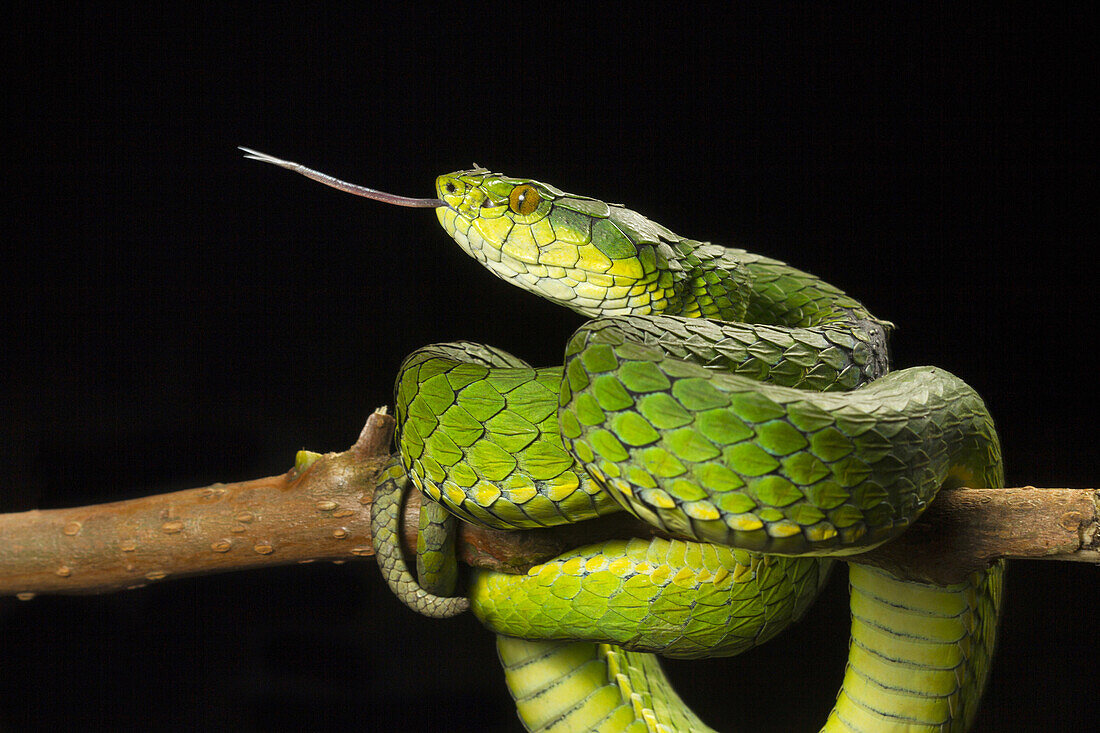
321, 511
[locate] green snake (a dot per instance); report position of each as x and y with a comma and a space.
737, 403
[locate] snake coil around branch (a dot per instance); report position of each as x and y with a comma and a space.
742, 406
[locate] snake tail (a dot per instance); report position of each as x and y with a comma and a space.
436, 560
390, 489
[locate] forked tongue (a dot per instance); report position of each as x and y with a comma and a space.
370, 193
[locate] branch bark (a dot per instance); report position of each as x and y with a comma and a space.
322, 512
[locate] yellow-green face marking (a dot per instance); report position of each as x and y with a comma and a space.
573, 250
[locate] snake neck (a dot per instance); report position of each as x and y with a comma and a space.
711, 281
701, 281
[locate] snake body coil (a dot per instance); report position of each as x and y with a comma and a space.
736, 402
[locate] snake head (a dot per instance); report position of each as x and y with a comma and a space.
592, 257
595, 258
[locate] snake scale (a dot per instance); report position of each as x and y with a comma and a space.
739, 404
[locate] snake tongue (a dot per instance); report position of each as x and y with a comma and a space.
370, 193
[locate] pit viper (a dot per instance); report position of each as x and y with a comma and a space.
739, 404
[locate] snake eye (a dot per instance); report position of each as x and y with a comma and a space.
524, 199
450, 187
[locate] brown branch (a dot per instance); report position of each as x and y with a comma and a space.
322, 512
964, 530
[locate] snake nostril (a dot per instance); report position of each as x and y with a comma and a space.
450, 188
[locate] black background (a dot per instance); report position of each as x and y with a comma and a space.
175, 315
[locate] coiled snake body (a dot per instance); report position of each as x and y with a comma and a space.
736, 402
